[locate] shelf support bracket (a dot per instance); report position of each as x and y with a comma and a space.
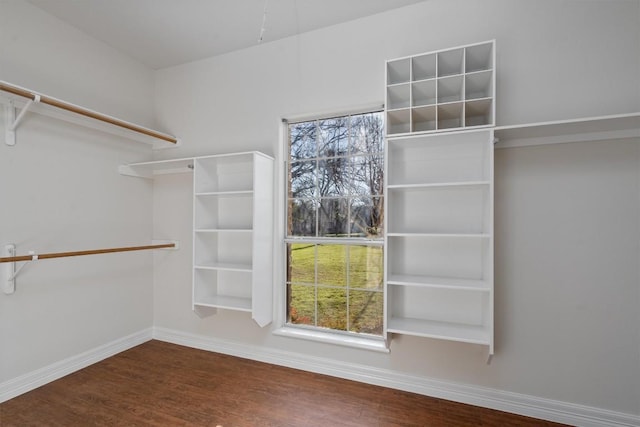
9, 270
13, 121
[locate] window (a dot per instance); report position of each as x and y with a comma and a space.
335, 211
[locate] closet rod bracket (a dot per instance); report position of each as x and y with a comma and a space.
9, 272
13, 121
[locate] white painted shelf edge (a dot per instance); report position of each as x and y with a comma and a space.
438, 282
618, 126
226, 302
183, 165
474, 334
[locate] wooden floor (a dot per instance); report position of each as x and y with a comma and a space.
163, 384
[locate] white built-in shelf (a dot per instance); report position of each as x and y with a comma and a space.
474, 334
223, 266
158, 167
438, 282
232, 229
442, 90
226, 302
439, 185
439, 223
602, 128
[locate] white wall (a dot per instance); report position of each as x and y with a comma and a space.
567, 281
60, 191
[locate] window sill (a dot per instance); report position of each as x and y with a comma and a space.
373, 344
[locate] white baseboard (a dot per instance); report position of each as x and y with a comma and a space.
32, 380
531, 406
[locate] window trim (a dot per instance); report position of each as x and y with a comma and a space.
283, 329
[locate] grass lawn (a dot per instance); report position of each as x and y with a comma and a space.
361, 304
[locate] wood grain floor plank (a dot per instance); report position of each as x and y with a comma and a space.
162, 384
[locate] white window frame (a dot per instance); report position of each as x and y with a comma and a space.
364, 341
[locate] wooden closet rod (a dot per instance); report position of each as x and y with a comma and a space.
80, 253
84, 112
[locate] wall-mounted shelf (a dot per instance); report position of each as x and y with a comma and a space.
441, 90
26, 101
232, 229
439, 241
601, 128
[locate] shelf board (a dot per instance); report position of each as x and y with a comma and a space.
442, 330
160, 167
224, 266
446, 235
587, 129
439, 185
239, 193
438, 282
223, 230
223, 301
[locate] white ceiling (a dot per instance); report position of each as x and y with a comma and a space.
162, 33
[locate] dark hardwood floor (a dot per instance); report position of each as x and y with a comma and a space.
162, 384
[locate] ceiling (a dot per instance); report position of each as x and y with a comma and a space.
163, 33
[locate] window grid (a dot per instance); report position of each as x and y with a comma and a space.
324, 181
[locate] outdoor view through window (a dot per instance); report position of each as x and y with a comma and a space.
335, 213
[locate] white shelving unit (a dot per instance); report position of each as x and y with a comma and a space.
232, 229
233, 234
439, 242
441, 90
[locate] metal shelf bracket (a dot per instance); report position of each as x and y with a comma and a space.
13, 121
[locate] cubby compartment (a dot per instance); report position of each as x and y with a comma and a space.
424, 118
450, 62
450, 115
439, 158
478, 112
220, 174
398, 121
398, 96
450, 209
226, 211
450, 89
423, 93
219, 288
399, 71
478, 85
479, 57
424, 67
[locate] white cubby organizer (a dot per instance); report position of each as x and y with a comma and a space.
232, 229
439, 242
441, 90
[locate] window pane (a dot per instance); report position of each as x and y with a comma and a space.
333, 218
332, 265
302, 217
367, 217
332, 308
334, 177
367, 133
302, 177
365, 267
301, 263
302, 305
366, 312
302, 140
368, 175
333, 138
